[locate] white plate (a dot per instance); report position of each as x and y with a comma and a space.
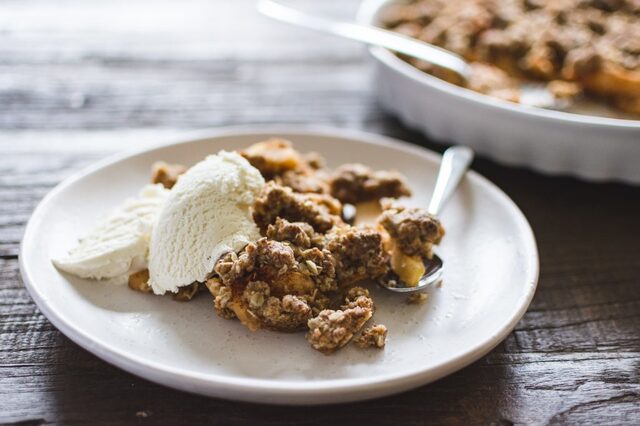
491, 275
590, 147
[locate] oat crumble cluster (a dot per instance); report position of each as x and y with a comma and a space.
307, 271
373, 337
166, 174
414, 230
590, 46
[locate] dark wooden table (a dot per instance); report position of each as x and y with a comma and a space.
82, 79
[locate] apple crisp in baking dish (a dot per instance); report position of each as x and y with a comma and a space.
576, 47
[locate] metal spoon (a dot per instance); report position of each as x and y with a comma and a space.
455, 162
532, 94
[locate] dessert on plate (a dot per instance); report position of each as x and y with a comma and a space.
270, 233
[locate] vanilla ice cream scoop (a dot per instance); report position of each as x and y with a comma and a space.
122, 239
206, 215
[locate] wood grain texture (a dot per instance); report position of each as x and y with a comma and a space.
80, 80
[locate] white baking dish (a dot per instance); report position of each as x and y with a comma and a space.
590, 147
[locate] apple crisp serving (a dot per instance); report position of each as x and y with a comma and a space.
309, 270
576, 46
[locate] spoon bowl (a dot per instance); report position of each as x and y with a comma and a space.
455, 163
433, 274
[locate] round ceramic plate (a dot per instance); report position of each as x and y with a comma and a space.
490, 278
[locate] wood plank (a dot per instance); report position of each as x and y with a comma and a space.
131, 71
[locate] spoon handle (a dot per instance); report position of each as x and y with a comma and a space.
455, 162
367, 34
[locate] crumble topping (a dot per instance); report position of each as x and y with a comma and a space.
287, 313
140, 281
410, 234
319, 211
299, 233
166, 174
221, 298
272, 157
359, 254
593, 43
314, 160
373, 337
271, 259
413, 230
187, 293
274, 284
494, 82
354, 183
352, 294
278, 161
306, 180
255, 284
332, 329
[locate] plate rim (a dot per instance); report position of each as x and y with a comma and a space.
365, 15
269, 390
